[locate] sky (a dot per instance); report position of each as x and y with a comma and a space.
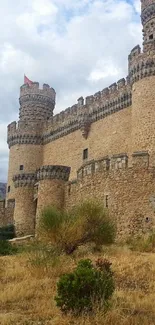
78, 47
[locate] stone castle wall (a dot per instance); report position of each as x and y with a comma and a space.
106, 136
129, 192
102, 124
6, 214
28, 155
98, 106
143, 117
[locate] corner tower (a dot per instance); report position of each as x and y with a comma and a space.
142, 79
148, 22
25, 156
36, 104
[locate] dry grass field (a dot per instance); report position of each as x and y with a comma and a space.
28, 287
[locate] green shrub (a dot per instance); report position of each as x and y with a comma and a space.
85, 223
6, 248
97, 225
87, 285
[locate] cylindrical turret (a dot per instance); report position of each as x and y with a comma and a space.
148, 22
25, 143
35, 103
25, 206
142, 78
51, 186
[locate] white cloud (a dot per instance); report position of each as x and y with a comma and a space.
78, 47
44, 7
137, 6
103, 70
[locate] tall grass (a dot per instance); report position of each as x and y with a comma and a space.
88, 222
143, 243
28, 297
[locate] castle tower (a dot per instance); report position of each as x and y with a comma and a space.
51, 186
36, 104
148, 22
142, 78
25, 156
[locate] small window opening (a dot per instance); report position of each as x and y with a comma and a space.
85, 154
69, 189
106, 201
21, 167
151, 36
147, 219
8, 189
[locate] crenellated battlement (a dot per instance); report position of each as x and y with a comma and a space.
36, 103
141, 65
34, 128
134, 53
46, 90
24, 133
127, 192
95, 107
114, 163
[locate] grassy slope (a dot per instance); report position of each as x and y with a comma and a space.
26, 292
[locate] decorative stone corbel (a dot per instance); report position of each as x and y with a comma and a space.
85, 123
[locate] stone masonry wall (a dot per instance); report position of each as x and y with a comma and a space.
51, 187
25, 211
128, 191
106, 136
36, 103
30, 156
143, 116
6, 215
80, 116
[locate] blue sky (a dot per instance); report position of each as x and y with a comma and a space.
77, 46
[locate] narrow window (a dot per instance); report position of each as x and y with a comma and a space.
21, 167
8, 189
69, 189
151, 36
106, 201
85, 154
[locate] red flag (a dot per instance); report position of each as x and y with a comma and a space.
27, 81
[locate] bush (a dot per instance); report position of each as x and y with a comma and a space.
85, 223
78, 291
6, 248
97, 225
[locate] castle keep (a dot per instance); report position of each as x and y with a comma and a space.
102, 147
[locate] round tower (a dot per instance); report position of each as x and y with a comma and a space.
148, 22
142, 78
25, 144
35, 103
25, 206
51, 186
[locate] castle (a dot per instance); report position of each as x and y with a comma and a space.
102, 147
